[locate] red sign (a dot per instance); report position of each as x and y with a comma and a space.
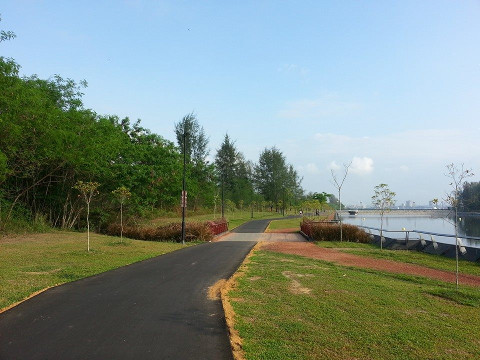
184, 199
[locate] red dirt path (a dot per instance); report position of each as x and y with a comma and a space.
312, 251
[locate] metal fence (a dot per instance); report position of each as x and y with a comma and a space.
415, 240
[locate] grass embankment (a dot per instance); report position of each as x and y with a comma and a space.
30, 263
291, 307
234, 218
408, 256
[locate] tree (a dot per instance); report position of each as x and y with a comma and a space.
322, 198
234, 173
200, 174
226, 163
470, 196
383, 199
458, 176
273, 177
338, 184
122, 194
196, 146
88, 190
6, 35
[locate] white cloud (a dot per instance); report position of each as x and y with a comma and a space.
326, 106
294, 68
334, 166
312, 168
427, 145
412, 162
361, 165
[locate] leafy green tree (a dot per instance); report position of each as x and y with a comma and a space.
273, 177
234, 173
322, 199
6, 35
383, 198
226, 162
230, 205
200, 174
196, 141
470, 196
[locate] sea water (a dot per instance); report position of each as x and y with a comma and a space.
467, 226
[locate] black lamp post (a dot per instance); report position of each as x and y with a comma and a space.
223, 199
184, 193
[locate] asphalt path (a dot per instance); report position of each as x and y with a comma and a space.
258, 226
154, 309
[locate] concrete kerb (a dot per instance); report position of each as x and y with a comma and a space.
218, 237
305, 236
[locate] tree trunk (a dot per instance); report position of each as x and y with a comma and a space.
88, 227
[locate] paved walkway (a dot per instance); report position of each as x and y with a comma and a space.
155, 309
267, 237
258, 226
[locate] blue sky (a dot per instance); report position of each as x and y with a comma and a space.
393, 86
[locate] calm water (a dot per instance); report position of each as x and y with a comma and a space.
469, 226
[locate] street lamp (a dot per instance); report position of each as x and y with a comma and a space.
184, 193
223, 197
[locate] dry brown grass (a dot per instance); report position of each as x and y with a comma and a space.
327, 231
195, 231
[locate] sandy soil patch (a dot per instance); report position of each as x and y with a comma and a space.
295, 286
342, 258
279, 231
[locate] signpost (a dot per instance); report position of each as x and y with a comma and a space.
183, 203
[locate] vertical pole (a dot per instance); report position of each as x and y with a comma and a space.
456, 240
184, 200
340, 213
223, 199
88, 226
121, 221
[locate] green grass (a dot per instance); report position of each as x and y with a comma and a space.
234, 218
350, 313
30, 263
285, 224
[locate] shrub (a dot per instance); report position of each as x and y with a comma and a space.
171, 232
218, 226
329, 231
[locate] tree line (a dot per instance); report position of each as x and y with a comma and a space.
49, 142
470, 196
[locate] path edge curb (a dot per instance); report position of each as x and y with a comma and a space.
235, 339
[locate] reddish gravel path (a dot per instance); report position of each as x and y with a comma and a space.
342, 258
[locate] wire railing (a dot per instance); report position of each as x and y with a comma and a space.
407, 232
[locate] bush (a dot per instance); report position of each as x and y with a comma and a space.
218, 226
329, 231
171, 232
